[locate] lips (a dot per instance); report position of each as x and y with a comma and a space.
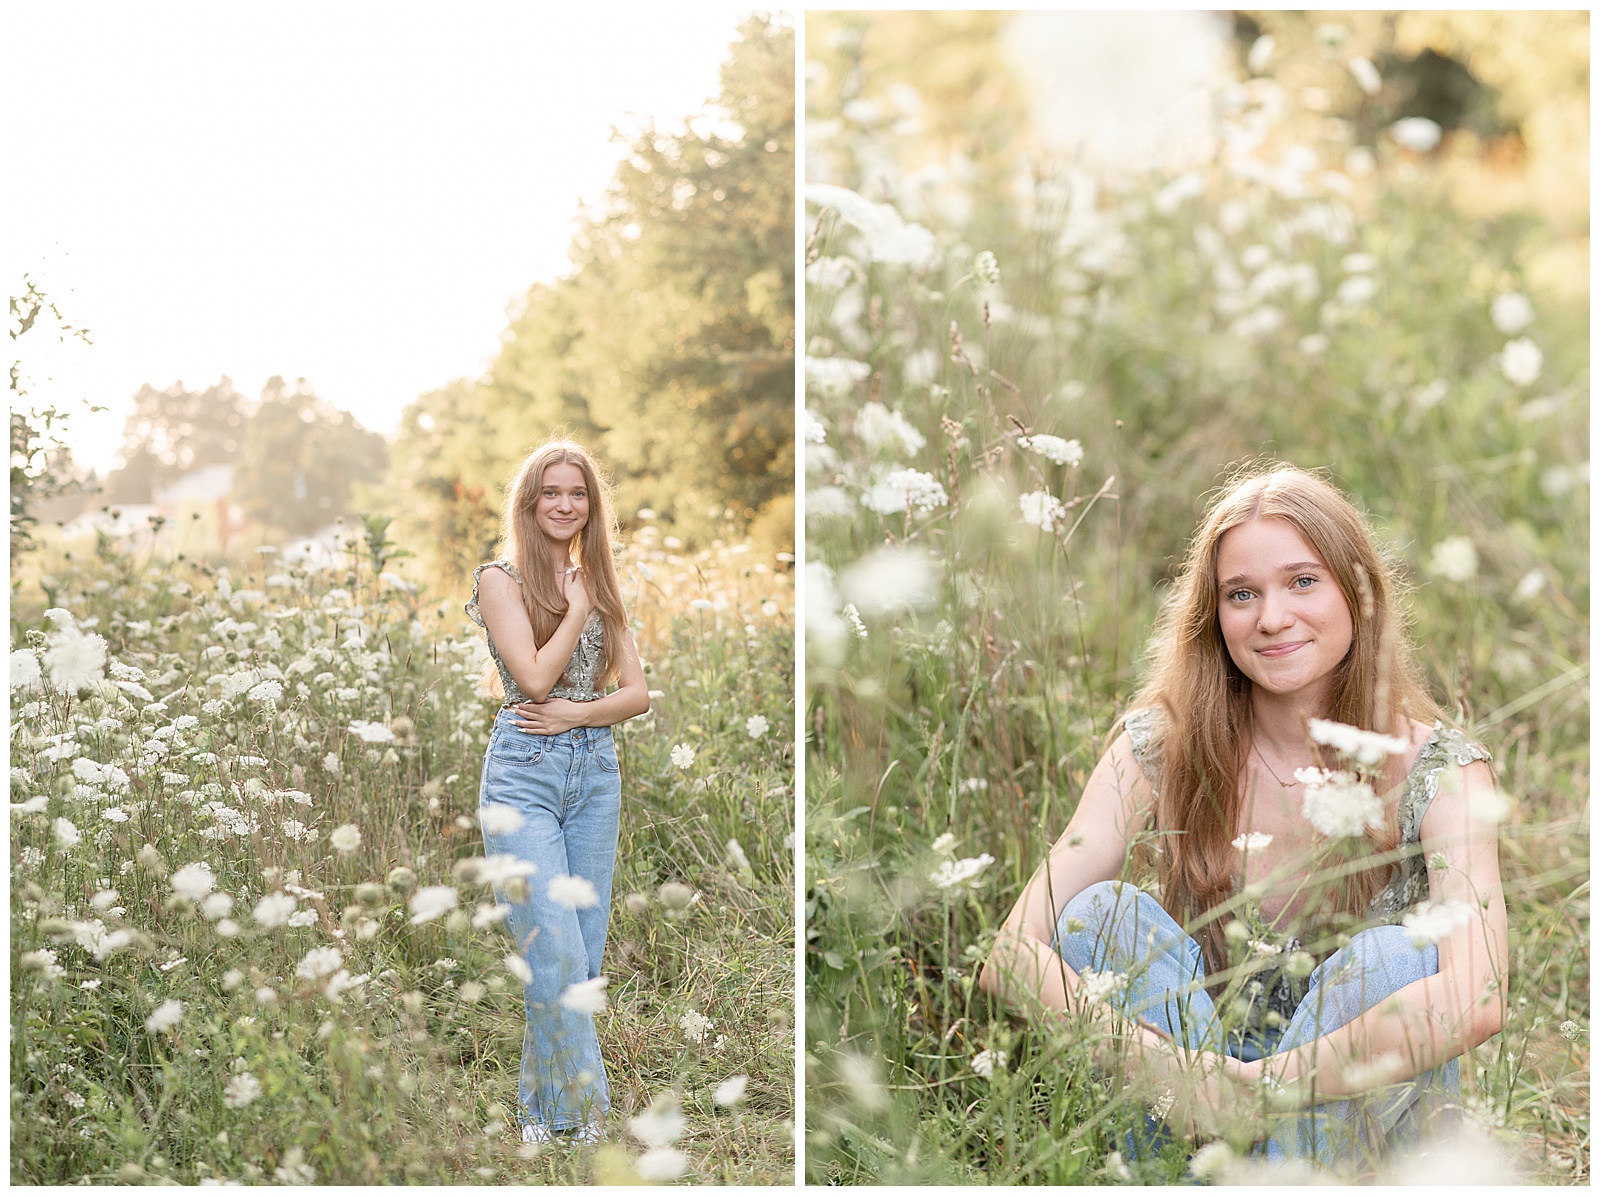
1279, 650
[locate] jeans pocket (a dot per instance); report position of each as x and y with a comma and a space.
515, 747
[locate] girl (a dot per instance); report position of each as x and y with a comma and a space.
1241, 762
551, 791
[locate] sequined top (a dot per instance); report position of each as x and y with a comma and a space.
1408, 878
580, 680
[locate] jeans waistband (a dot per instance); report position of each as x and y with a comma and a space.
576, 735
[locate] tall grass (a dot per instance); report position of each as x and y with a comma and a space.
400, 1066
1174, 327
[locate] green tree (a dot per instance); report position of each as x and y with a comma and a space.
170, 432
41, 461
301, 458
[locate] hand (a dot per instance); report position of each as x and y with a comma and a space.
576, 593
548, 718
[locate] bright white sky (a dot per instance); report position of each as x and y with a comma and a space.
351, 193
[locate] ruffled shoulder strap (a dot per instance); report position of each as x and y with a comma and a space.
477, 577
1445, 748
1144, 729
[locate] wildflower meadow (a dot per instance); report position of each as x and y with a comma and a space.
253, 937
1022, 378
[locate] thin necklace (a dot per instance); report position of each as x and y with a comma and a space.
1283, 783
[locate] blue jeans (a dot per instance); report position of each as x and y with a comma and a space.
567, 790
1116, 927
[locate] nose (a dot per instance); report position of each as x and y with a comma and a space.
1274, 616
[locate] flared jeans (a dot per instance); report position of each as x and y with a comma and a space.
1115, 927
553, 801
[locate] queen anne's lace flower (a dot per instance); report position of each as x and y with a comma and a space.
1364, 747
586, 996
904, 489
1042, 509
1337, 804
1433, 921
1062, 452
955, 872
988, 1061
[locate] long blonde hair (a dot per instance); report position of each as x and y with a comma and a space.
526, 547
1205, 698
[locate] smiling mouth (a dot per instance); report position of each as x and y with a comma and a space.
1277, 650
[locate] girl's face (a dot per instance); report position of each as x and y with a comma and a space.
562, 507
1283, 615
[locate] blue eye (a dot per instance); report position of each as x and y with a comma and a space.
1308, 579
1240, 595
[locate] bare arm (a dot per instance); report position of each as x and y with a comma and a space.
1439, 1017
629, 699
536, 668
1024, 966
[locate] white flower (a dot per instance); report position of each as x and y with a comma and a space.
876, 425
574, 892
660, 1125
834, 376
1365, 747
586, 996
1337, 804
1062, 452
831, 273
1357, 289
67, 833
1521, 361
1254, 841
24, 672
661, 1164
888, 237
266, 691
76, 661
345, 838
194, 881
1366, 75
1433, 921
274, 909
737, 860
166, 1015
1261, 53
986, 1062
319, 962
945, 844
1416, 133
1042, 509
1454, 558
853, 618
216, 905
683, 755
241, 1091
1213, 1159
330, 764
44, 962
1101, 986
519, 968
371, 732
303, 917
695, 1025
499, 819
34, 805
756, 726
955, 872
1511, 312
431, 901
342, 982
730, 1091
905, 489
986, 269
815, 433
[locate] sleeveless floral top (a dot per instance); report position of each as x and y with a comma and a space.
1408, 878
580, 681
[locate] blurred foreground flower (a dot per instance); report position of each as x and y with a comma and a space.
431, 901
1433, 921
573, 892
1364, 747
903, 490
1454, 558
586, 996
730, 1091
165, 1016
1337, 804
1521, 361
955, 872
1054, 448
1511, 312
683, 755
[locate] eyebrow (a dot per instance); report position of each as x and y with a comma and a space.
1296, 567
